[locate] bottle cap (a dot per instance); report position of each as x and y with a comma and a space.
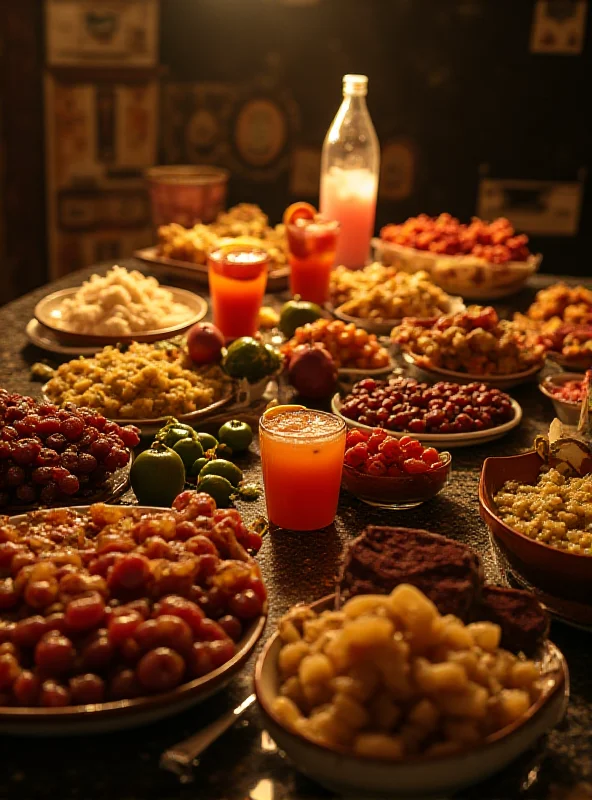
355, 84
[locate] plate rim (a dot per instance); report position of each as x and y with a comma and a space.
29, 715
109, 339
470, 437
160, 421
55, 347
151, 256
410, 358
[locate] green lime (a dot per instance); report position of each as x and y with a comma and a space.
173, 431
206, 440
236, 434
197, 467
157, 476
224, 468
295, 314
218, 488
189, 449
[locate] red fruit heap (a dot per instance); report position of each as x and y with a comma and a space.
379, 454
47, 454
122, 603
496, 242
403, 404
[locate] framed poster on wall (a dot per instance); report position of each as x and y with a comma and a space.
101, 33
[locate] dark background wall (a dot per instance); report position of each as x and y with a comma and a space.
453, 78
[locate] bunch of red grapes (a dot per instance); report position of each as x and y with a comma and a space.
403, 404
122, 603
48, 454
496, 242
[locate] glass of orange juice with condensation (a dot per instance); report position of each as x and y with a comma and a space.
237, 276
302, 459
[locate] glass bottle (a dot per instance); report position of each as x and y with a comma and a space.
349, 174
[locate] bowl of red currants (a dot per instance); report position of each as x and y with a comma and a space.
566, 391
392, 473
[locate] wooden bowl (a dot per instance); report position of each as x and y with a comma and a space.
420, 776
560, 574
48, 313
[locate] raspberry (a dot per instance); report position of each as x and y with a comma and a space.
413, 449
394, 471
376, 467
354, 458
361, 452
355, 437
375, 441
390, 449
414, 466
430, 456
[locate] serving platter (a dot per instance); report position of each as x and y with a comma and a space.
148, 427
433, 374
441, 440
46, 339
276, 279
383, 327
472, 278
48, 313
132, 713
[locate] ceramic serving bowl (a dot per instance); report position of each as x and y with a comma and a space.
48, 313
434, 374
568, 412
383, 327
132, 713
397, 493
558, 573
471, 277
419, 777
441, 440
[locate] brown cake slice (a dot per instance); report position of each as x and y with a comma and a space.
446, 571
523, 620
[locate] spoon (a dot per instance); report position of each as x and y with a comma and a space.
183, 756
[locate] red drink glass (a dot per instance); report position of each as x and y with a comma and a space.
312, 245
237, 276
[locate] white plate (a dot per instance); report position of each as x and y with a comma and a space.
383, 327
44, 338
122, 714
149, 427
441, 440
433, 374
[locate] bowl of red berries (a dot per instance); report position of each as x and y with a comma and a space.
566, 390
392, 473
444, 414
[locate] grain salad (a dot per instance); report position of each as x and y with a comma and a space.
144, 381
556, 511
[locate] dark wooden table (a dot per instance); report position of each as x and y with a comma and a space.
297, 567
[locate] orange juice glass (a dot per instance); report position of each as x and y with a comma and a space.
311, 252
238, 276
302, 459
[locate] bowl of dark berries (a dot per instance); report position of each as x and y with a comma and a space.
392, 473
51, 456
442, 415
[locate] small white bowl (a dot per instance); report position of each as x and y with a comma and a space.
568, 413
419, 777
